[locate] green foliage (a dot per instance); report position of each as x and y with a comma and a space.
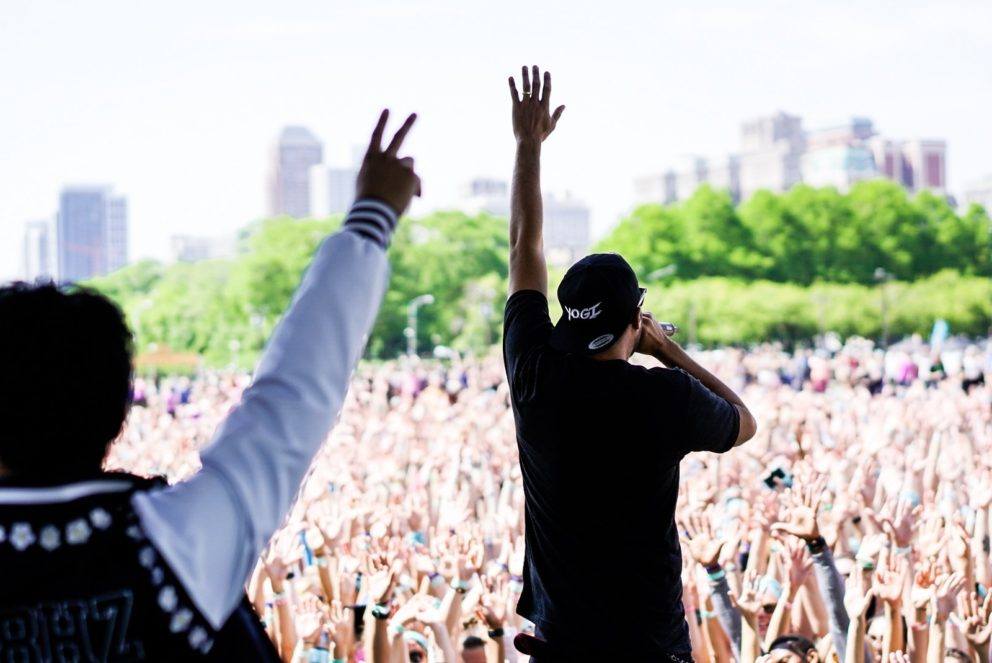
462, 261
715, 311
226, 309
777, 267
806, 235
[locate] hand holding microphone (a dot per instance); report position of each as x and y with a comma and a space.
656, 340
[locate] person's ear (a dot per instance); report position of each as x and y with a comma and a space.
636, 322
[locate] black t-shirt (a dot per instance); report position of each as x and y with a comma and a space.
600, 444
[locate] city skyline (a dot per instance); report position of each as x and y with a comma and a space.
183, 124
776, 152
302, 184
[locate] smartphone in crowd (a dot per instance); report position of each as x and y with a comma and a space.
778, 479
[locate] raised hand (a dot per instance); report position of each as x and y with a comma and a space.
384, 175
533, 120
975, 620
923, 585
699, 539
803, 513
380, 578
857, 595
277, 569
796, 559
310, 620
890, 582
748, 600
945, 593
492, 606
902, 526
341, 626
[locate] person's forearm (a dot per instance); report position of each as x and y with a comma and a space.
696, 641
376, 638
212, 526
980, 546
287, 629
443, 638
528, 269
816, 610
779, 622
326, 583
301, 381
451, 608
256, 589
526, 206
728, 616
919, 638
894, 638
681, 359
935, 646
981, 652
832, 589
750, 645
718, 644
856, 641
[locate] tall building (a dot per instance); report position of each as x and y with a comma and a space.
567, 222
656, 188
332, 189
840, 155
91, 232
39, 251
927, 160
980, 193
915, 164
488, 195
296, 152
194, 248
567, 233
771, 151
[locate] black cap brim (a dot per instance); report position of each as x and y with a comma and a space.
565, 338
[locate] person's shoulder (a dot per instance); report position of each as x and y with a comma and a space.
525, 298
672, 382
674, 377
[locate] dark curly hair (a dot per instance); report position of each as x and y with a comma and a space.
65, 381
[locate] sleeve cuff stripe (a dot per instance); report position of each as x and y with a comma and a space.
368, 204
370, 217
368, 225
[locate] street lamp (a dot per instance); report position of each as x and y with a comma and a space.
883, 277
411, 321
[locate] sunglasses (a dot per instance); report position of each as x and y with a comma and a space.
768, 608
640, 300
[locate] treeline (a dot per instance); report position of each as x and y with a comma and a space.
720, 311
226, 309
777, 267
806, 235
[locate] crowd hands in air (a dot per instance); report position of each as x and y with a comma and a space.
406, 542
854, 527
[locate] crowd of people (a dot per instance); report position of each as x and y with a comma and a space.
854, 527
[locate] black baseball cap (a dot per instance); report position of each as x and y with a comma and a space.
598, 297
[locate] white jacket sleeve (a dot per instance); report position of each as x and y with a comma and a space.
211, 528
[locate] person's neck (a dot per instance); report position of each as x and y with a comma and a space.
612, 354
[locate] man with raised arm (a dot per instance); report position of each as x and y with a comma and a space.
600, 439
100, 566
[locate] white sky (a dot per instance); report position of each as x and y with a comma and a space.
177, 103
